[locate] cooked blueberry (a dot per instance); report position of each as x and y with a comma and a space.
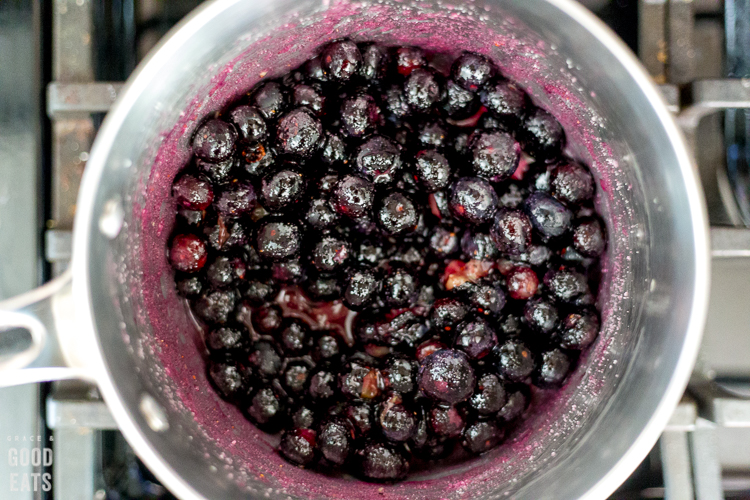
270, 100
566, 284
379, 160
303, 418
322, 386
335, 440
518, 401
361, 416
249, 122
432, 134
505, 100
400, 375
190, 217
228, 379
522, 283
314, 69
515, 360
422, 89
446, 421
219, 172
431, 170
382, 462
361, 288
190, 286
214, 141
397, 423
513, 195
327, 347
333, 151
511, 231
542, 134
397, 214
323, 287
260, 292
554, 367
298, 133
489, 396
305, 95
395, 105
548, 216
193, 192
278, 240
478, 246
447, 313
572, 183
510, 326
353, 196
486, 299
289, 271
447, 376
408, 59
458, 102
397, 329
295, 337
473, 200
224, 271
298, 446
444, 242
330, 254
256, 158
495, 155
471, 70
374, 61
359, 380
476, 338
400, 288
236, 200
482, 436
265, 359
341, 60
295, 377
265, 408
579, 330
188, 253
360, 115
267, 320
215, 306
282, 190
588, 238
541, 315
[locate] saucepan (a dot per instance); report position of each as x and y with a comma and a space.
115, 318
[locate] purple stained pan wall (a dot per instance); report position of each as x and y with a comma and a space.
244, 454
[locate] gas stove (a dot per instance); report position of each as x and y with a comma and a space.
67, 59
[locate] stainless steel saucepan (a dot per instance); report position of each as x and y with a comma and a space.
116, 319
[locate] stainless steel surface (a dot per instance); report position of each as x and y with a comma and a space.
706, 466
681, 55
652, 40
75, 99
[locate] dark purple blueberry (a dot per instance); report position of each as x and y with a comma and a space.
382, 462
458, 103
314, 69
476, 338
395, 105
542, 135
288, 271
505, 100
341, 60
495, 155
486, 299
333, 151
550, 217
214, 141
446, 421
298, 446
472, 70
447, 376
265, 408
510, 326
190, 286
321, 215
400, 288
397, 214
518, 401
444, 241
588, 238
249, 122
260, 292
515, 361
220, 172
432, 134
370, 254
265, 360
335, 438
513, 195
431, 170
473, 200
537, 255
353, 197
228, 379
278, 240
309, 97
374, 62
397, 423
188, 253
322, 386
360, 115
553, 368
327, 347
295, 337
224, 271
282, 190
511, 231
359, 380
267, 320
361, 417
579, 330
236, 200
303, 418
215, 306
422, 89
295, 377
193, 218
327, 183
400, 375
193, 192
572, 183
330, 254
379, 160
323, 287
405, 328
256, 158
478, 246
298, 133
408, 59
460, 143
522, 283
541, 315
361, 288
447, 313
482, 436
566, 284
489, 396
269, 99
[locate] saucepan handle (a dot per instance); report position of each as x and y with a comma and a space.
38, 336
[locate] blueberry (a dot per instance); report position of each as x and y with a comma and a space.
326, 348
193, 192
330, 254
486, 299
236, 200
361, 417
489, 396
194, 218
589, 238
188, 253
267, 320
360, 115
228, 379
269, 99
335, 440
361, 288
299, 133
542, 135
476, 338
260, 292
400, 288
511, 231
341, 60
397, 214
323, 287
541, 315
518, 401
397, 423
432, 134
298, 446
321, 214
224, 271
447, 313
353, 196
395, 104
522, 283
431, 170
249, 122
405, 329
446, 421
513, 195
333, 151
295, 377
309, 97
566, 284
572, 183
374, 62
447, 376
482, 436
265, 408
303, 418
295, 337
548, 216
458, 102
400, 375
219, 172
422, 89
495, 155
379, 160
478, 246
359, 380
382, 462
579, 329
288, 271
515, 360
215, 306
190, 286
278, 240
505, 100
214, 141
256, 158
471, 70
553, 369
473, 200
408, 59
322, 386
265, 359
313, 68
444, 242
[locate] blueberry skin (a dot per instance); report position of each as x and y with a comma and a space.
214, 141
298, 133
379, 160
550, 217
341, 60
447, 376
473, 200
